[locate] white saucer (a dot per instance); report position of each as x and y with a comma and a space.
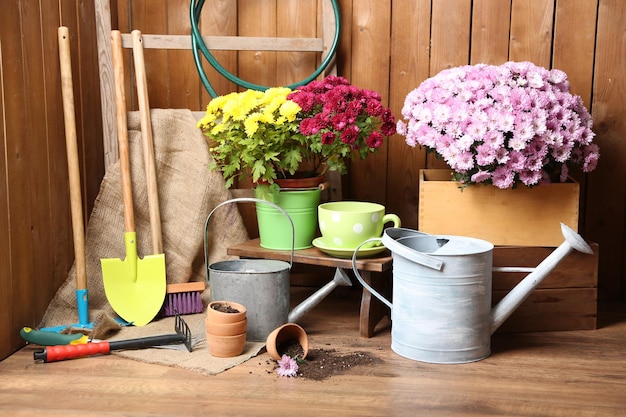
346, 253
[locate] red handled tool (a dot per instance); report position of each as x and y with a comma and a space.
62, 352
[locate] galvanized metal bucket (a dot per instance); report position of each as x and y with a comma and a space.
441, 309
262, 285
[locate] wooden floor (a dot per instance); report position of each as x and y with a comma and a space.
577, 373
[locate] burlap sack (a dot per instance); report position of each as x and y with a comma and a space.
188, 191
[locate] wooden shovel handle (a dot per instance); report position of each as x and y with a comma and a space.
122, 130
148, 143
71, 145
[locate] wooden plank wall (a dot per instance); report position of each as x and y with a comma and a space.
389, 46
36, 250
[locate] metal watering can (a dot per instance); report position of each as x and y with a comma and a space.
442, 293
262, 285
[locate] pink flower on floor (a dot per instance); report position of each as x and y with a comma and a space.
287, 366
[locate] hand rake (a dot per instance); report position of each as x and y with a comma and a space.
62, 352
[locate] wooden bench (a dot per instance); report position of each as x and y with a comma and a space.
373, 270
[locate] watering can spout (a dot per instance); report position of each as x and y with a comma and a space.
340, 279
506, 306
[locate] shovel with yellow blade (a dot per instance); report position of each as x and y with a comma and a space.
134, 287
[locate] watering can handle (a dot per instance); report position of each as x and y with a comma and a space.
360, 278
246, 200
389, 240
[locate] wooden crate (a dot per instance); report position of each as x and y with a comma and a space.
517, 217
565, 300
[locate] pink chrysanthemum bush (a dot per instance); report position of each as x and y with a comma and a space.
341, 121
505, 125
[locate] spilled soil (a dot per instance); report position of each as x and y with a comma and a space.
322, 364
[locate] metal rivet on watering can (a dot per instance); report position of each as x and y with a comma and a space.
441, 310
262, 285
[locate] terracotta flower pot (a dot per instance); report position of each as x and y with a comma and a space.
237, 314
226, 346
226, 329
226, 324
283, 336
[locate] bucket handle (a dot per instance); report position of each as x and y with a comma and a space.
246, 200
360, 278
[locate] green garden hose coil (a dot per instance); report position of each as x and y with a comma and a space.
198, 46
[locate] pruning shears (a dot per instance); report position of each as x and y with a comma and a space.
44, 338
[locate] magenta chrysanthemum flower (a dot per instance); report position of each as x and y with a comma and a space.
287, 366
350, 135
333, 109
375, 140
328, 138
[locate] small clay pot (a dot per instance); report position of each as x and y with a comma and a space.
282, 336
217, 316
226, 346
226, 329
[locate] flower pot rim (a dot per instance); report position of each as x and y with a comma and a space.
303, 182
238, 306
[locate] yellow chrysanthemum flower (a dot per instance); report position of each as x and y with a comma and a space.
290, 110
251, 124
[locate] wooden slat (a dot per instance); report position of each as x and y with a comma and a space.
89, 121
35, 154
8, 340
450, 36
258, 18
531, 31
410, 62
344, 53
25, 179
574, 44
107, 100
606, 204
150, 16
123, 24
183, 86
573, 52
370, 66
490, 32
221, 20
327, 26
231, 43
293, 20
